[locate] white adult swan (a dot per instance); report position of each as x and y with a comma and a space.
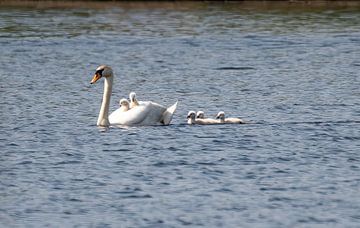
192, 120
147, 113
221, 117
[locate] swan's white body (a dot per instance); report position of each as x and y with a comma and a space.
223, 120
192, 120
147, 113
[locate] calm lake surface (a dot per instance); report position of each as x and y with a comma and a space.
291, 71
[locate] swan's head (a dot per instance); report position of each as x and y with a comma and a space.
191, 115
124, 102
200, 115
132, 96
220, 115
102, 71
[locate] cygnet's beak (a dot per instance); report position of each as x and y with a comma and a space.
96, 77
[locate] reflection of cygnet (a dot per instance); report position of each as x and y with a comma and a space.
133, 100
221, 117
124, 105
200, 115
191, 119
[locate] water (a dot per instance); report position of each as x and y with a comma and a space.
292, 71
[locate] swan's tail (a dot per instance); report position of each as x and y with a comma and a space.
168, 114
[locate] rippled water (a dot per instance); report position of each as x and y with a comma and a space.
293, 72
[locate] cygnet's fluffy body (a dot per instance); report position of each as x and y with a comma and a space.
133, 100
193, 120
201, 115
223, 120
124, 105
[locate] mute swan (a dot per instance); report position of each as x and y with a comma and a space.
191, 119
124, 105
221, 117
133, 100
200, 115
147, 113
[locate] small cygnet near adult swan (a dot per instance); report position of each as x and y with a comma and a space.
124, 105
133, 100
200, 115
193, 120
223, 120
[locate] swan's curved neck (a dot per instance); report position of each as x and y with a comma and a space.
103, 119
136, 101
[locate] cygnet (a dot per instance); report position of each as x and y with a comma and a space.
223, 120
133, 100
193, 120
200, 115
124, 105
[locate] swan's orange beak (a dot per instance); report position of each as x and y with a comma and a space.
96, 77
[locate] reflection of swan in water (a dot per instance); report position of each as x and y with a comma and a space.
200, 115
124, 105
222, 119
133, 100
147, 113
192, 120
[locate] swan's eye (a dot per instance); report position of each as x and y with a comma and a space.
99, 72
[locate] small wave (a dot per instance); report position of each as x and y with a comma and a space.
272, 189
67, 162
171, 163
235, 68
116, 150
206, 163
137, 196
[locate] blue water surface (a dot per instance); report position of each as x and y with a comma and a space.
291, 72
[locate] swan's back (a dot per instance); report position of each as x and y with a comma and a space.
146, 113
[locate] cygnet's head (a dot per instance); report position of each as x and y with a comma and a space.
191, 115
124, 102
220, 115
132, 96
102, 71
200, 115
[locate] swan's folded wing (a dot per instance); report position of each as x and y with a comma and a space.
168, 114
154, 113
147, 113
